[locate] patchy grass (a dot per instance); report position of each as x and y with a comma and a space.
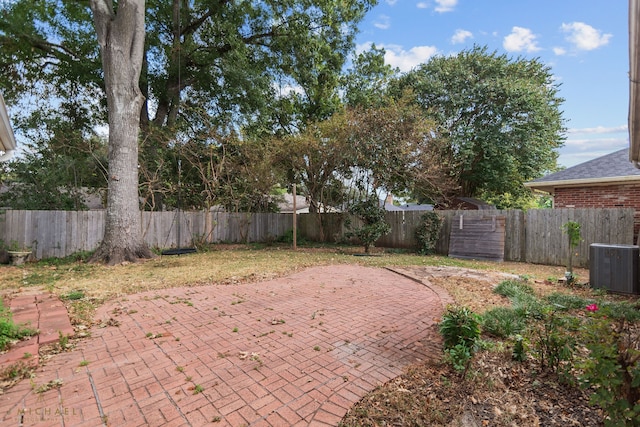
76, 281
10, 331
84, 287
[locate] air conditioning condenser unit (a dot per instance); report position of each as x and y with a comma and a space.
614, 267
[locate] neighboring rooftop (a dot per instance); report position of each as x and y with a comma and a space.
611, 168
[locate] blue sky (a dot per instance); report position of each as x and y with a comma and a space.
585, 42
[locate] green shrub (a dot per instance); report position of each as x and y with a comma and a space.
503, 322
373, 220
428, 232
553, 340
459, 356
520, 348
460, 330
621, 310
459, 325
612, 370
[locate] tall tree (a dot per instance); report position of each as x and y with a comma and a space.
120, 29
386, 146
264, 67
501, 117
360, 151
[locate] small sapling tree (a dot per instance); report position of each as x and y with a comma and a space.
373, 226
572, 229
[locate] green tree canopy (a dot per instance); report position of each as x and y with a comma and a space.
211, 69
365, 83
501, 118
236, 60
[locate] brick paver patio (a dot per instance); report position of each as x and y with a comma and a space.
294, 351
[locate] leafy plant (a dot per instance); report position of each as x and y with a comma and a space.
522, 296
459, 325
612, 370
553, 340
528, 305
373, 226
621, 310
520, 348
460, 330
459, 356
567, 301
428, 232
15, 246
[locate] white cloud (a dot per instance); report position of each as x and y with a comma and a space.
559, 51
595, 143
391, 2
520, 39
383, 22
461, 36
445, 5
580, 150
599, 130
569, 159
405, 60
422, 5
584, 37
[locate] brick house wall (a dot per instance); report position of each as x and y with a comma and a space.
601, 196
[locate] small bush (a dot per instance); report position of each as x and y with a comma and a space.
427, 232
520, 348
553, 340
503, 322
287, 237
460, 329
459, 357
459, 325
612, 370
622, 310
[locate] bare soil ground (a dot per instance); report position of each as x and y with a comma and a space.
498, 391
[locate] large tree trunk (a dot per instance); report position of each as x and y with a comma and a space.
121, 37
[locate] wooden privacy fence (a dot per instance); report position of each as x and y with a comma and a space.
61, 233
534, 236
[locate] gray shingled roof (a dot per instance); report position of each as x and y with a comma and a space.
609, 168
